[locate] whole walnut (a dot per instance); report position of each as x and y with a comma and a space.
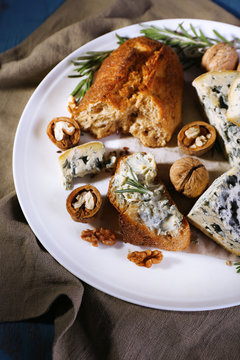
189, 176
221, 56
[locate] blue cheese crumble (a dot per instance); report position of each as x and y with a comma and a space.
82, 160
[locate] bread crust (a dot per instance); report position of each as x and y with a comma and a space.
138, 234
135, 232
138, 90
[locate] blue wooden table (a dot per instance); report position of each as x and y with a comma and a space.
233, 6
19, 18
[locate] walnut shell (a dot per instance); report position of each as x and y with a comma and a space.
82, 213
189, 176
68, 139
189, 145
221, 56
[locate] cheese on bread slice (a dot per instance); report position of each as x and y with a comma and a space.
213, 91
233, 111
148, 216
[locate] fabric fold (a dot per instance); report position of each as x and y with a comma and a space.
31, 280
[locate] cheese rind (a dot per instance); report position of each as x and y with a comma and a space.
213, 91
217, 211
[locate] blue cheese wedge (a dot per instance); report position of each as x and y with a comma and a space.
213, 91
89, 158
233, 111
217, 211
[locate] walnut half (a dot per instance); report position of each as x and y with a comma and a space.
145, 258
189, 176
63, 132
83, 203
196, 138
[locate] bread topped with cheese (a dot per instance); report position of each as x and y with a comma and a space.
148, 216
137, 90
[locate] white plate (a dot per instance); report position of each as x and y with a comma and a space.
182, 281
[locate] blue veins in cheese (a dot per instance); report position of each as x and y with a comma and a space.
213, 91
217, 211
85, 159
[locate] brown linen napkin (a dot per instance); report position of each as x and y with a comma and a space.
88, 323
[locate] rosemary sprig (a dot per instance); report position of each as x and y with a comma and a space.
136, 186
190, 45
86, 67
237, 264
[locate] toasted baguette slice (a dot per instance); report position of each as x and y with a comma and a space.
137, 90
217, 212
233, 112
213, 91
148, 216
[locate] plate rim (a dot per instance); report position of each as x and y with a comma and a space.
51, 249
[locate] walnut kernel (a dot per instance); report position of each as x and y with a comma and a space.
107, 237
145, 258
189, 176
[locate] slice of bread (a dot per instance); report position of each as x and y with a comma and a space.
233, 111
137, 90
148, 217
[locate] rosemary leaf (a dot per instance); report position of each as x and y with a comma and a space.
78, 88
193, 30
204, 39
222, 38
132, 190
185, 32
237, 264
137, 185
121, 39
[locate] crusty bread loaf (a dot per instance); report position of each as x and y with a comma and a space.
137, 90
150, 218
